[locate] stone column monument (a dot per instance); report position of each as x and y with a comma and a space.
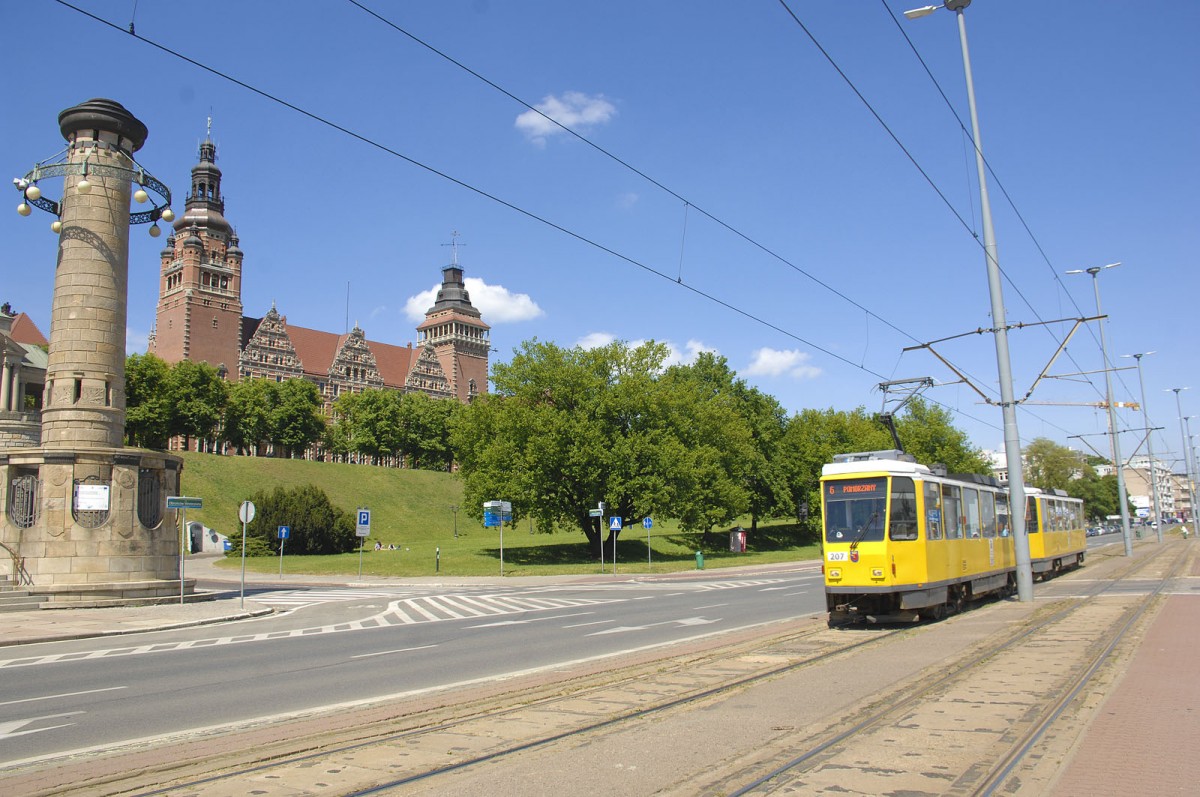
85, 519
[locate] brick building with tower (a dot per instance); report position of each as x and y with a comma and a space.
200, 317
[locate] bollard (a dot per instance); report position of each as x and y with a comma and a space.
437, 566
1185, 533
699, 560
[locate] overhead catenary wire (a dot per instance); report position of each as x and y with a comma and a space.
1008, 197
522, 211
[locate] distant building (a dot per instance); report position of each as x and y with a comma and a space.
23, 360
200, 317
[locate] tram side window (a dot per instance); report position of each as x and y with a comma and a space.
933, 511
950, 504
1031, 515
902, 517
1002, 514
987, 506
971, 512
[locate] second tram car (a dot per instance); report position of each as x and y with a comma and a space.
903, 541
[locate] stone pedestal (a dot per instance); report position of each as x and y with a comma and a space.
56, 544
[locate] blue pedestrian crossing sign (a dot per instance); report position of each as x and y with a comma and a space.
614, 523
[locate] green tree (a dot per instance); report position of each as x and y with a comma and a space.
927, 434
317, 526
147, 401
566, 428
424, 430
247, 418
1051, 466
738, 430
368, 423
197, 397
1100, 495
296, 421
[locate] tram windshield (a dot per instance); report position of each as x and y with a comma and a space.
855, 510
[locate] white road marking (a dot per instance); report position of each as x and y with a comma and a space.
388, 652
62, 694
8, 730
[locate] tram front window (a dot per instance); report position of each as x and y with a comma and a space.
855, 510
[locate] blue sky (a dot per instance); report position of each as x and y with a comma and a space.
781, 226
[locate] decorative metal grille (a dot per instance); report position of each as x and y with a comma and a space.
23, 493
150, 497
89, 518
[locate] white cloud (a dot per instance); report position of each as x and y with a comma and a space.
627, 200
495, 303
675, 356
692, 350
772, 362
594, 340
573, 109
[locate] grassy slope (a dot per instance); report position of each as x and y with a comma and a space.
411, 509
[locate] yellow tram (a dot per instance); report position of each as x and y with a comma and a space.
904, 541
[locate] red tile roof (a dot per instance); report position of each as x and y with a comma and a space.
25, 331
316, 350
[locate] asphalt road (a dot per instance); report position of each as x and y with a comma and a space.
338, 647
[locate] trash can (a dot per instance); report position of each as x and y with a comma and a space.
699, 560
737, 540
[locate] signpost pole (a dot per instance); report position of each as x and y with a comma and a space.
501, 538
602, 537
183, 539
245, 514
282, 542
363, 529
242, 591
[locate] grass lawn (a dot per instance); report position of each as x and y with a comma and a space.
411, 509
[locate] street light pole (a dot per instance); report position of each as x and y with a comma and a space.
1187, 457
1113, 437
1158, 523
1012, 439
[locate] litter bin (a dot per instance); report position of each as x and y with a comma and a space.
699, 560
737, 540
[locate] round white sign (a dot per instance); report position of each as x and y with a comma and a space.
246, 511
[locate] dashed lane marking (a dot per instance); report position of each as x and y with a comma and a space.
401, 612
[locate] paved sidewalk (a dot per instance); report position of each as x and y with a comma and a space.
1144, 736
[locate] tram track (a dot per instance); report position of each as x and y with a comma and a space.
859, 755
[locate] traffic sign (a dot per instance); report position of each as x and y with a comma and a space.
284, 532
246, 511
614, 523
363, 527
595, 513
647, 523
184, 502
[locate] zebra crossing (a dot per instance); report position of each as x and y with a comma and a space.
298, 599
436, 608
